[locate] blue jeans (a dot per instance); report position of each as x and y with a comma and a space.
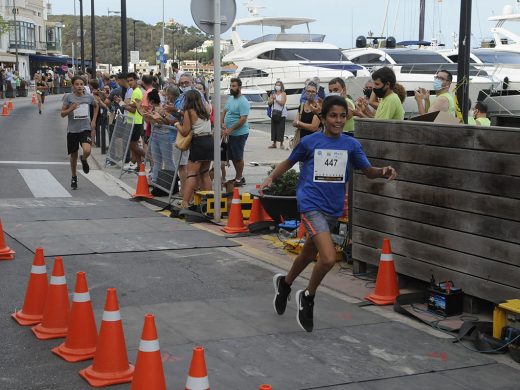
161, 153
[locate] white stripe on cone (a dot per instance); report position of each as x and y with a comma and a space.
142, 174
81, 297
111, 316
235, 201
386, 257
149, 345
58, 280
197, 383
38, 269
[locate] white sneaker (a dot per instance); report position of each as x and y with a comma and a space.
130, 166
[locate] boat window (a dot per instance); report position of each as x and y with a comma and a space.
498, 57
268, 55
257, 98
371, 58
252, 72
418, 57
293, 54
455, 58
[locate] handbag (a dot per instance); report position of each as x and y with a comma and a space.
183, 142
276, 116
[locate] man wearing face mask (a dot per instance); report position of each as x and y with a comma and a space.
390, 106
444, 100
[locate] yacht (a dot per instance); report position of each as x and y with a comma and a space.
415, 67
257, 99
292, 58
501, 59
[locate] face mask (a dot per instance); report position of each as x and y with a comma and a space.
379, 92
333, 94
311, 96
367, 92
112, 84
277, 88
184, 89
437, 84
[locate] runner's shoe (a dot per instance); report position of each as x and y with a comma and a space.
84, 164
74, 183
282, 294
304, 310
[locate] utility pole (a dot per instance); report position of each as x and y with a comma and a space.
422, 10
463, 58
124, 43
74, 29
15, 11
82, 38
93, 37
162, 40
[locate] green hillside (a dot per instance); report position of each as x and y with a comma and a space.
147, 38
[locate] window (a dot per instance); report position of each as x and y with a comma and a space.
252, 72
498, 57
268, 55
370, 59
418, 57
309, 55
22, 35
256, 98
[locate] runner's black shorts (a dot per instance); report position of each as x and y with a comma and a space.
75, 139
137, 132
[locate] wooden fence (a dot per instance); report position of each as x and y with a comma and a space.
454, 211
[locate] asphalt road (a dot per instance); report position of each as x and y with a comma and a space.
202, 288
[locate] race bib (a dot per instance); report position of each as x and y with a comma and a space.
330, 166
81, 112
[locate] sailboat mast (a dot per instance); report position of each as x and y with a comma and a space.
422, 10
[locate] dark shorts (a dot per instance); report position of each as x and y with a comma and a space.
137, 132
201, 148
235, 147
317, 222
74, 140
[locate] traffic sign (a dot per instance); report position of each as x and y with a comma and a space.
134, 56
202, 14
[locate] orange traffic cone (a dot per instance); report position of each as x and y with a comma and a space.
56, 310
80, 343
198, 375
265, 387
258, 214
6, 253
149, 373
235, 223
301, 231
33, 100
110, 364
5, 110
34, 302
387, 286
10, 105
142, 190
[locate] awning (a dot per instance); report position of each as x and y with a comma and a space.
52, 59
7, 57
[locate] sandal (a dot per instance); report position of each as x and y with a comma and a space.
271, 147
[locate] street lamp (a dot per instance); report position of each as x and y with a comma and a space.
112, 12
124, 43
93, 37
134, 22
82, 35
15, 11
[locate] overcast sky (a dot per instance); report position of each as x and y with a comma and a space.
341, 20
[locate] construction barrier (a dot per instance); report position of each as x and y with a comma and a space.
120, 142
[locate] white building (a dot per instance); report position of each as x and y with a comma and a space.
225, 47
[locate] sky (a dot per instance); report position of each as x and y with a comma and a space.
340, 20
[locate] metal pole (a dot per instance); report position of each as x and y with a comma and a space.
16, 40
162, 40
82, 38
74, 29
422, 10
463, 58
134, 32
217, 177
93, 37
124, 44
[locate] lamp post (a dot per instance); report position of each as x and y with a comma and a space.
82, 38
93, 37
124, 43
108, 14
15, 11
134, 22
162, 39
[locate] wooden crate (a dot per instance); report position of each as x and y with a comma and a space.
454, 211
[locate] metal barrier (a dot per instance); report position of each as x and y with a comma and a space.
120, 142
163, 159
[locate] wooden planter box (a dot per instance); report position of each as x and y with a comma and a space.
454, 211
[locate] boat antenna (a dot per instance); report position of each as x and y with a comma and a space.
253, 8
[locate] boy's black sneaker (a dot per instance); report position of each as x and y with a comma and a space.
304, 310
74, 183
282, 293
84, 164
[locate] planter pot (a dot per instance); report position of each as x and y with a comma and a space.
277, 205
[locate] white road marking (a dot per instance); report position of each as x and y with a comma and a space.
42, 184
110, 185
36, 162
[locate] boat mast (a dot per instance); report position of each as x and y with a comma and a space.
422, 10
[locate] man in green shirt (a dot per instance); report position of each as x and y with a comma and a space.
480, 114
444, 100
133, 112
390, 106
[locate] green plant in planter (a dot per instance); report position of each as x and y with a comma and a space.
285, 185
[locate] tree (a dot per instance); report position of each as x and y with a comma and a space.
4, 26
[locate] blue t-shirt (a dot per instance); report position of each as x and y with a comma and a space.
235, 108
324, 174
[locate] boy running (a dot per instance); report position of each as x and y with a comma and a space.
80, 125
321, 193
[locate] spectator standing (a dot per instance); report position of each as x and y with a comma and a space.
390, 106
320, 194
307, 121
147, 86
2, 81
234, 126
480, 114
80, 125
337, 87
277, 100
444, 100
196, 121
133, 111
